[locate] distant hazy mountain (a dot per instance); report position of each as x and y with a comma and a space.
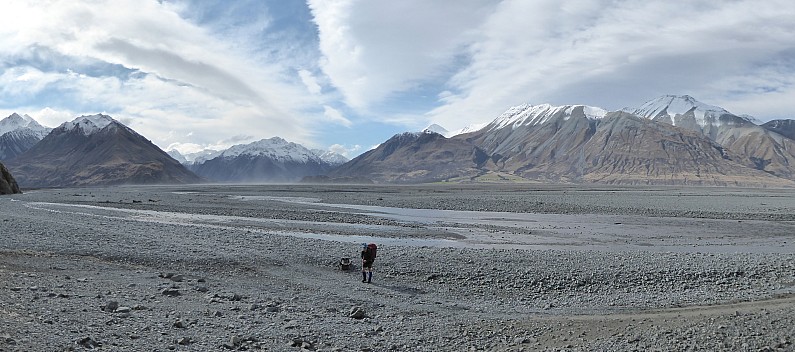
331, 158
177, 156
267, 160
8, 185
18, 134
669, 140
96, 150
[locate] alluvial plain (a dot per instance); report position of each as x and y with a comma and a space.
460, 267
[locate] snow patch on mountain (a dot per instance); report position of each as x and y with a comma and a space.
531, 115
176, 155
330, 157
16, 122
670, 106
469, 129
88, 124
434, 128
275, 148
201, 156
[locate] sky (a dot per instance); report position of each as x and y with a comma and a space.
345, 75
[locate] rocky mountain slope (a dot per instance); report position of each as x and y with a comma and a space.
96, 150
669, 140
754, 146
19, 133
8, 185
267, 160
785, 128
416, 157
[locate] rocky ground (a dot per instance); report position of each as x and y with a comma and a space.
232, 268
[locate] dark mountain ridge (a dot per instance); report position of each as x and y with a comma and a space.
82, 153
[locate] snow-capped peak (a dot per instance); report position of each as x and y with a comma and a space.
177, 156
531, 115
434, 128
16, 122
88, 124
276, 148
669, 106
330, 157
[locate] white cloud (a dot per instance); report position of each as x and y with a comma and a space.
616, 54
310, 82
335, 116
188, 79
346, 151
52, 118
373, 49
596, 52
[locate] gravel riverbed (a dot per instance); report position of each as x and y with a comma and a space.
502, 268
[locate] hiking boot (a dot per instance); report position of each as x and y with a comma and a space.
364, 280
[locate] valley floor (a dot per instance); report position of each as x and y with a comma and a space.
459, 267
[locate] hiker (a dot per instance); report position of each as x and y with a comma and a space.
368, 257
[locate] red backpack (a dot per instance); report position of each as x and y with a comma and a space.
373, 249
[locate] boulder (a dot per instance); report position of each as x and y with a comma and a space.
7, 183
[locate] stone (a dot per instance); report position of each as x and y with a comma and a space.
123, 310
110, 307
171, 292
184, 341
357, 313
88, 342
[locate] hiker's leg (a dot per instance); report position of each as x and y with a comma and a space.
370, 275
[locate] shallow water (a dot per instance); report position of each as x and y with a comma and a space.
487, 229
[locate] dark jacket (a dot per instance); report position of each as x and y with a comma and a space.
367, 255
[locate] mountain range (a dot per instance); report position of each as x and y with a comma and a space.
668, 140
18, 134
95, 150
266, 160
98, 150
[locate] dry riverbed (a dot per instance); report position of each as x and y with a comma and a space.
505, 268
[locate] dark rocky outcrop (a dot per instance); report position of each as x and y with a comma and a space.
8, 185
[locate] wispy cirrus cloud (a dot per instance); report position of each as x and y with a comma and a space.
598, 52
146, 62
201, 73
